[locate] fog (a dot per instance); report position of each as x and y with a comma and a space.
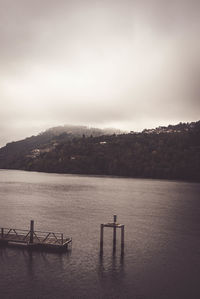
124, 64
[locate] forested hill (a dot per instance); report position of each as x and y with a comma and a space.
171, 152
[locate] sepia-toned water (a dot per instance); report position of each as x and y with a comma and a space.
162, 237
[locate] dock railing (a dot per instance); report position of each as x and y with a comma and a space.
31, 236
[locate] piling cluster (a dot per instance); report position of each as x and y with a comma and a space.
113, 225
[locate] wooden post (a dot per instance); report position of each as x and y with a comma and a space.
101, 238
122, 239
62, 239
31, 231
2, 233
115, 218
114, 233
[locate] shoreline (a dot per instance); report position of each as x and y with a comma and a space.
104, 176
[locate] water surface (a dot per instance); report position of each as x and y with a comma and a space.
162, 237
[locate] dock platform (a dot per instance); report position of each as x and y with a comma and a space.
34, 240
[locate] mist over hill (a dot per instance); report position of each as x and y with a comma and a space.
78, 131
171, 152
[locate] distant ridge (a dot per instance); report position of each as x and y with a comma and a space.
181, 127
78, 131
171, 152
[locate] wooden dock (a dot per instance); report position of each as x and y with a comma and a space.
34, 240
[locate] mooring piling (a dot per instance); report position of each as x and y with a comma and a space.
122, 239
113, 225
114, 233
101, 237
31, 231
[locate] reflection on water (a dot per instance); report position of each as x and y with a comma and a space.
162, 243
31, 276
112, 264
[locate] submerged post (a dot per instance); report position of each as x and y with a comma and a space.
114, 232
31, 231
101, 238
122, 239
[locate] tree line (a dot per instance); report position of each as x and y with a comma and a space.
161, 156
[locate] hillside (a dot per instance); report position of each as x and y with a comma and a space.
13, 153
171, 152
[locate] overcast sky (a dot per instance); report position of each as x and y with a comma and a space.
104, 63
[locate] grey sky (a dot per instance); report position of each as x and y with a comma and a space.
125, 64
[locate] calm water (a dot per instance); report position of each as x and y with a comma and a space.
162, 237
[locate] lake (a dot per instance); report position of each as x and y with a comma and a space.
162, 237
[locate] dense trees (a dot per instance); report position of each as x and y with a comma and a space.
174, 155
